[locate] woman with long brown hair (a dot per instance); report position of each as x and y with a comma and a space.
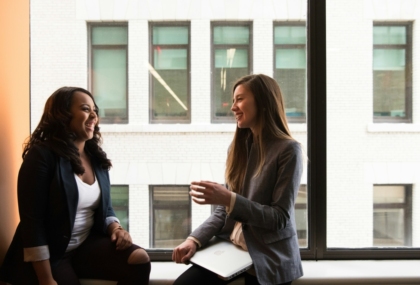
256, 211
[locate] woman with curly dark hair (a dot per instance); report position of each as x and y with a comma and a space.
68, 229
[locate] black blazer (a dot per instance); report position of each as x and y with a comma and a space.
48, 198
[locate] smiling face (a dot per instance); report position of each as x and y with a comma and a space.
84, 117
244, 108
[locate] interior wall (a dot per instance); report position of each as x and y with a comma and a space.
14, 109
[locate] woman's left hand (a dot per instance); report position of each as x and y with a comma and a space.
121, 238
207, 192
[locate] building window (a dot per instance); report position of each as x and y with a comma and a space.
170, 73
119, 198
392, 78
108, 71
301, 209
170, 217
290, 67
231, 59
392, 215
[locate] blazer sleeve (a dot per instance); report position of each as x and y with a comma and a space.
34, 179
277, 214
212, 226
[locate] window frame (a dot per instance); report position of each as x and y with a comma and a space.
120, 207
408, 47
90, 26
153, 207
249, 46
178, 120
292, 120
317, 156
406, 206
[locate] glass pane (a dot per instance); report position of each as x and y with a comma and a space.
231, 35
367, 79
388, 59
109, 36
170, 94
389, 194
170, 35
109, 79
119, 198
231, 58
301, 208
389, 35
171, 215
290, 35
170, 59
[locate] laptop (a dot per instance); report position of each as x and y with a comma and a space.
223, 258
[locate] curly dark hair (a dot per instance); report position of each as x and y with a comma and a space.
54, 131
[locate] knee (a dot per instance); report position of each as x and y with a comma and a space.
139, 256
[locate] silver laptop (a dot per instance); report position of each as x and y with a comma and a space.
223, 258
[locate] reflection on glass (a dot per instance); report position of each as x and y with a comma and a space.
231, 61
170, 98
171, 216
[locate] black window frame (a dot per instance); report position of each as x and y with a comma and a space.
408, 46
215, 119
91, 47
300, 119
177, 120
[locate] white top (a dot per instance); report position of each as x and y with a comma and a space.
89, 196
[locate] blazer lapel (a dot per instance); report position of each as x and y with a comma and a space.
70, 188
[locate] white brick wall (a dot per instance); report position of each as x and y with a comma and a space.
145, 154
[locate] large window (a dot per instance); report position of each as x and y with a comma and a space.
170, 73
290, 67
170, 217
392, 89
392, 215
119, 198
231, 59
108, 71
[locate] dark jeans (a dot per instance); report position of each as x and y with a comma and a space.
198, 275
96, 258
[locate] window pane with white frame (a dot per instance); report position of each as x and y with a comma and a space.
108, 71
170, 73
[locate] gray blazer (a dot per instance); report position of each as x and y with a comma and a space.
265, 207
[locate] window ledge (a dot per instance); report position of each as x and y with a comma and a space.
393, 128
397, 272
182, 128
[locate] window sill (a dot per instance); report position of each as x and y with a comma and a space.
393, 128
182, 128
397, 272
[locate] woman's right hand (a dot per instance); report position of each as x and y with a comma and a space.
183, 252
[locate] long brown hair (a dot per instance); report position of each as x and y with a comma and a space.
271, 122
53, 130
